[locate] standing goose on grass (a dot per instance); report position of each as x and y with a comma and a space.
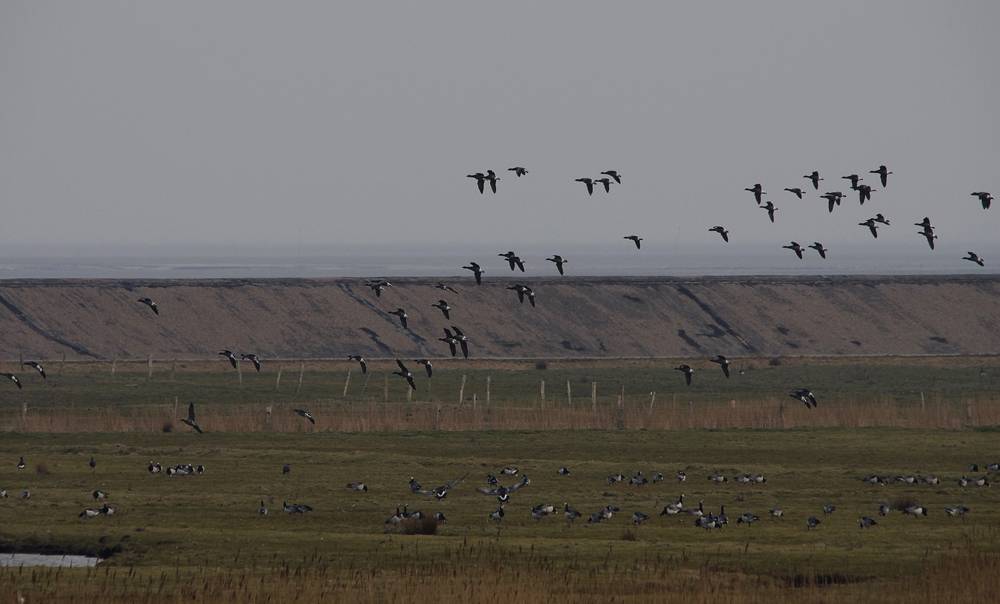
305, 415
635, 239
497, 515
883, 172
232, 358
295, 508
613, 478
723, 362
718, 478
819, 248
814, 177
681, 476
797, 191
150, 304
971, 257
493, 178
795, 247
984, 198
776, 513
98, 495
20, 464
477, 271
956, 511
757, 191
405, 373
358, 486
449, 340
916, 511
747, 519
541, 511
427, 365
870, 223
190, 419
92, 464
464, 341
443, 307
883, 509
829, 509
13, 378
589, 182
90, 513
36, 367
980, 482
722, 231
399, 312
812, 522
639, 480
606, 182
864, 193
672, 509
563, 471
867, 522
613, 174
560, 261
698, 511
262, 510
444, 287
359, 359
639, 517
518, 170
658, 477
480, 180
854, 178
253, 359
771, 209
571, 515
687, 372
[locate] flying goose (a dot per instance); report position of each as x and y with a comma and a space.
427, 365
771, 209
797, 191
589, 182
881, 218
13, 378
253, 359
378, 286
985, 198
722, 231
518, 170
864, 193
687, 372
36, 367
560, 261
477, 271
232, 358
449, 340
870, 223
305, 415
404, 372
521, 291
926, 224
446, 288
443, 306
501, 490
929, 234
513, 260
723, 362
613, 174
464, 341
480, 180
867, 521
399, 312
806, 396
814, 177
833, 198
493, 178
795, 247
190, 419
606, 182
974, 258
819, 248
883, 172
636, 239
854, 178
150, 304
757, 191
442, 491
360, 359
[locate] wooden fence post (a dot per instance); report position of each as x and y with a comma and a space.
277, 381
543, 394
347, 382
385, 387
569, 395
652, 399
473, 406
114, 361
409, 393
620, 420
968, 412
487, 391
365, 387
176, 400
593, 396
62, 363
437, 420
239, 370
461, 392
302, 370
173, 370
151, 365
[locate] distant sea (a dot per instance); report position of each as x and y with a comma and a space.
387, 261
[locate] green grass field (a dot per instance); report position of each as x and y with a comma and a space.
176, 536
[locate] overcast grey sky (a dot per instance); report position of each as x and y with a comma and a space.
239, 123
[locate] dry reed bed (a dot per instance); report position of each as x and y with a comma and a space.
488, 572
768, 413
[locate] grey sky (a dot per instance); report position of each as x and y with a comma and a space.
235, 123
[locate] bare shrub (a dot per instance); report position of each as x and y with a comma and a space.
774, 362
902, 502
629, 535
417, 526
42, 469
168, 427
541, 365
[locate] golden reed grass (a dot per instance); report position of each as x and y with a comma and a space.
374, 416
488, 572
